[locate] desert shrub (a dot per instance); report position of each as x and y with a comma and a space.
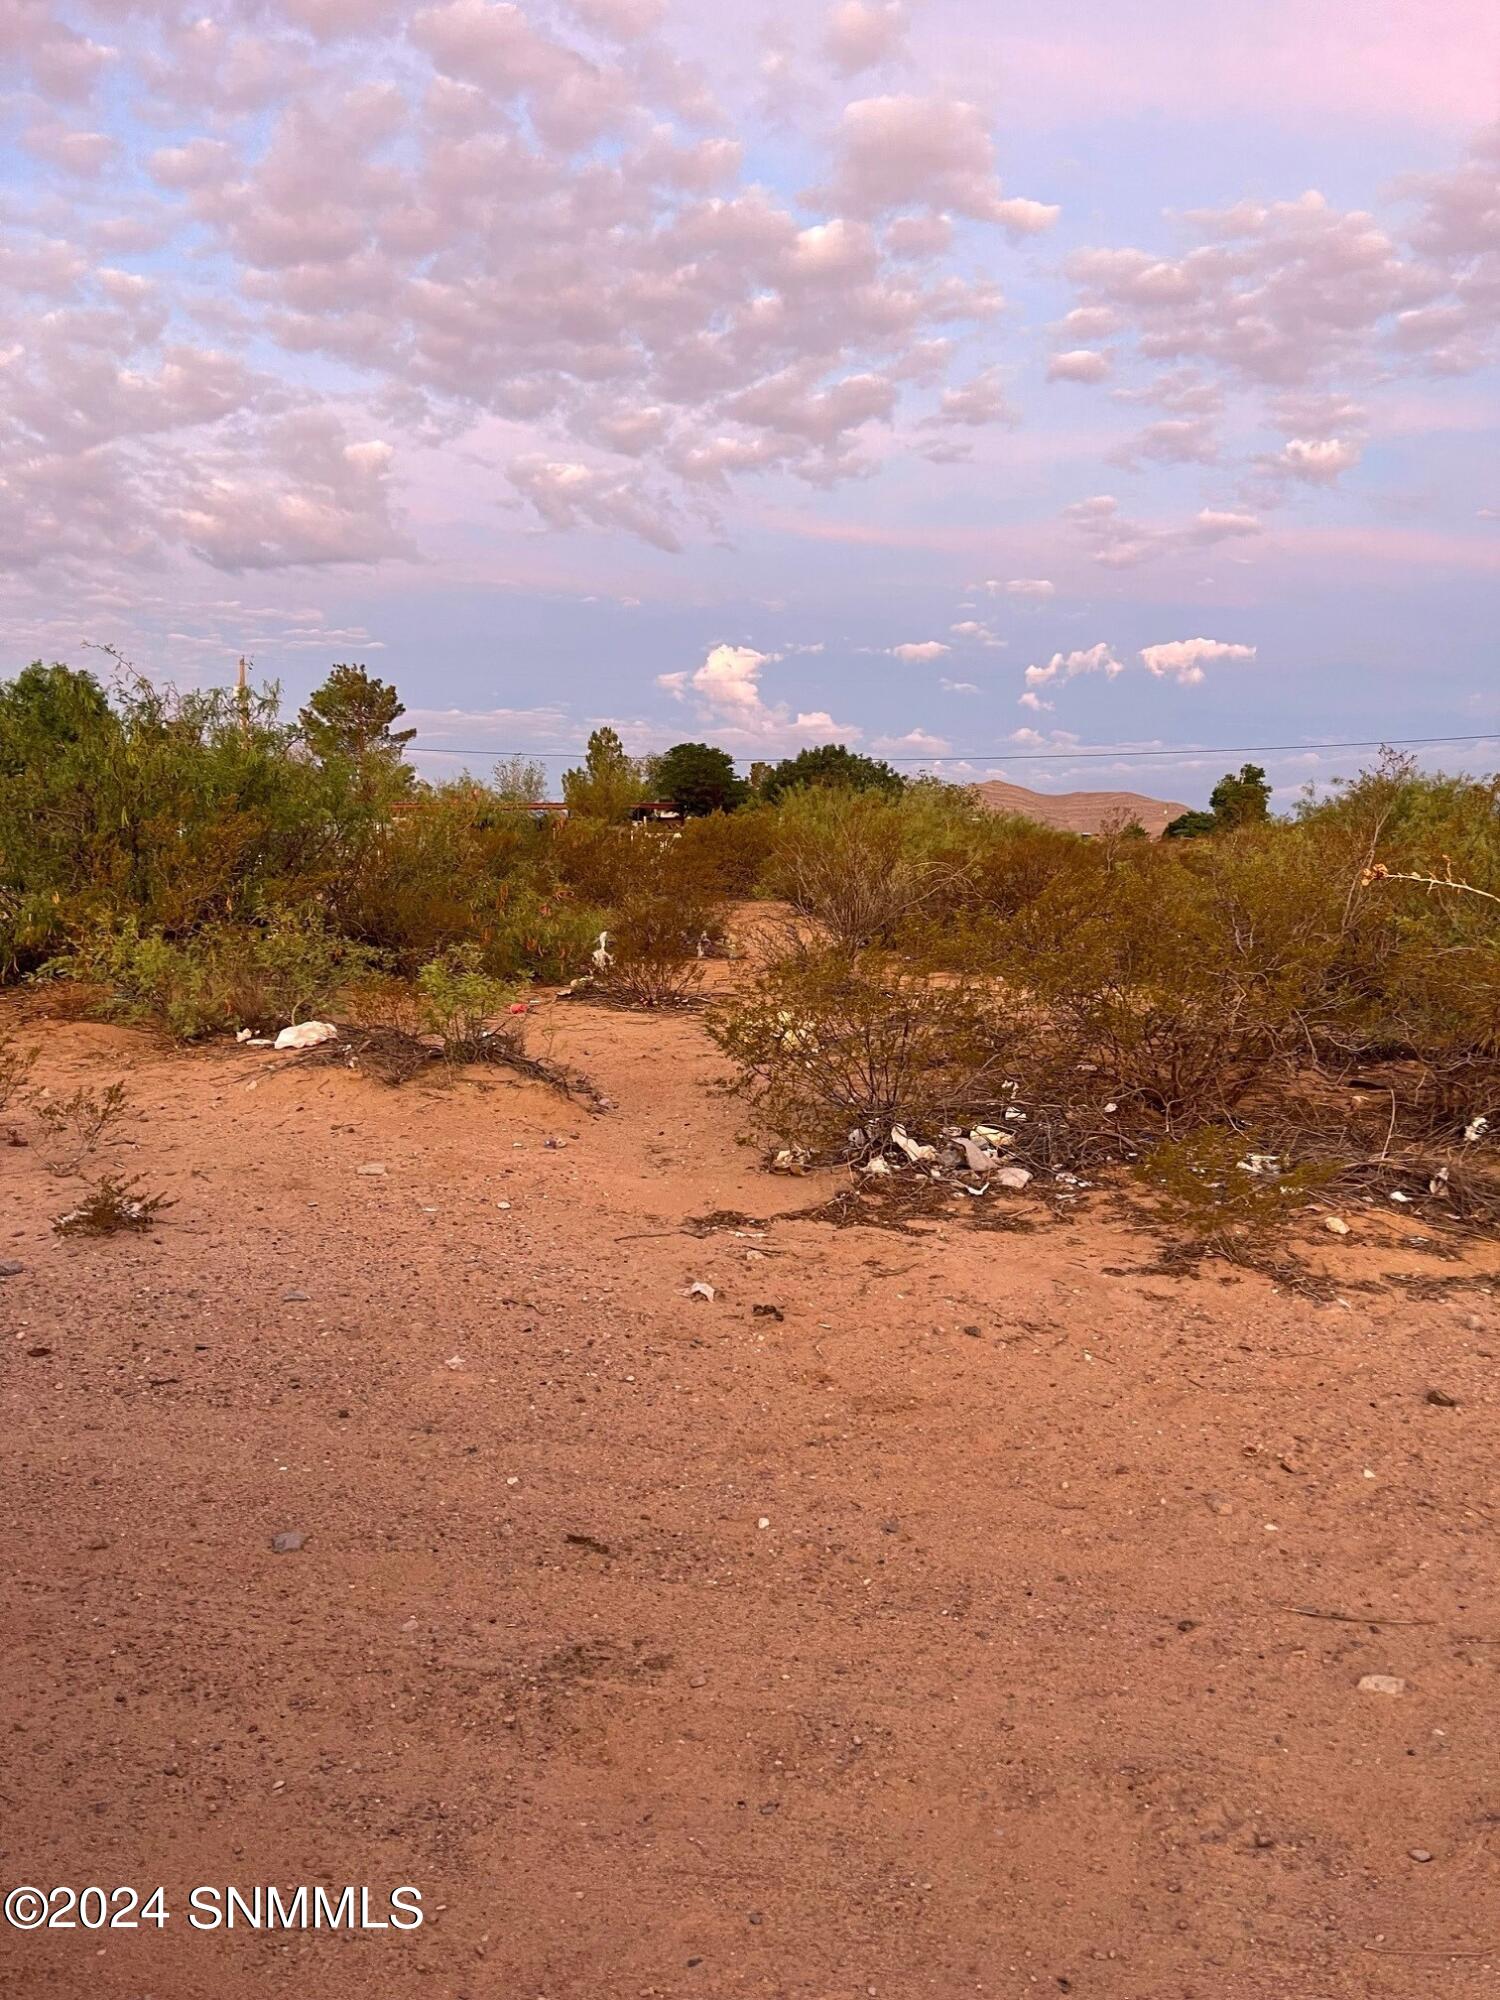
16, 1065
864, 865
731, 849
1224, 1198
828, 1043
461, 1002
223, 976
661, 923
1181, 988
79, 1122
110, 1207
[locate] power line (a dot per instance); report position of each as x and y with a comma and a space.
1009, 756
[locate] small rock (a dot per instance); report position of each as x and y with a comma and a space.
287, 1542
1442, 1399
764, 1521
768, 1312
373, 1168
1419, 1853
697, 1680
294, 1298
502, 1204
1335, 1225
37, 1353
11, 1270
1381, 1684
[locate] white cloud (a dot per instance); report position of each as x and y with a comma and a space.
1184, 660
1119, 543
725, 689
1067, 666
861, 33
1078, 364
1034, 702
958, 687
895, 153
920, 741
1316, 461
917, 650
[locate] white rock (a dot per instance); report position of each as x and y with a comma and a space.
1012, 1177
1336, 1225
1382, 1684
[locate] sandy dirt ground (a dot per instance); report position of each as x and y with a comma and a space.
987, 1618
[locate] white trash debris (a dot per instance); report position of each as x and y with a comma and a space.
700, 1289
914, 1151
306, 1035
602, 956
790, 1160
991, 1135
1382, 1684
980, 1158
1475, 1129
245, 1035
1012, 1177
1260, 1163
876, 1165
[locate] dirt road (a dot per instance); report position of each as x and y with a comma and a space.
935, 1613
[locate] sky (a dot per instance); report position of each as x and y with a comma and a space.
978, 385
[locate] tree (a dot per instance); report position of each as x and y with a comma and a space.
608, 783
1242, 800
349, 720
519, 780
45, 709
700, 779
831, 764
1190, 826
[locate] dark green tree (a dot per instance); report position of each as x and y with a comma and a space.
350, 719
1241, 800
831, 764
1190, 826
699, 778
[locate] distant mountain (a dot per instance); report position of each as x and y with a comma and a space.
1079, 812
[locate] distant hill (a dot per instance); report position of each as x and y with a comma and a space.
1079, 812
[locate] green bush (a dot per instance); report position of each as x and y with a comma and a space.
259, 975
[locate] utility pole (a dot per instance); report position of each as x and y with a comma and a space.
242, 696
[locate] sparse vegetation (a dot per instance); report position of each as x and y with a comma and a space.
110, 1207
1328, 981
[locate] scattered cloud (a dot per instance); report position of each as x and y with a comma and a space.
1119, 543
1184, 660
1079, 364
862, 33
916, 651
1067, 666
725, 690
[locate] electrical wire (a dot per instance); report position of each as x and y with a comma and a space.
1061, 754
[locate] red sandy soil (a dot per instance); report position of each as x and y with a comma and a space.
1012, 1695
